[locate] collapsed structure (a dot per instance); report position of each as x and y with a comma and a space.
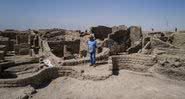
120, 47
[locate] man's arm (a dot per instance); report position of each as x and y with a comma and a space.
95, 44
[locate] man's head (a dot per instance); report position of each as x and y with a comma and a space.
91, 37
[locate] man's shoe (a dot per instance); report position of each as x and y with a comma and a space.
94, 65
91, 65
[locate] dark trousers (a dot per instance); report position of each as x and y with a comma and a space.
93, 58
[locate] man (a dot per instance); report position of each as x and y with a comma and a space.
92, 50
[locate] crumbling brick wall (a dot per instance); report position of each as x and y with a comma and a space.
101, 32
71, 48
57, 47
22, 49
120, 27
22, 46
130, 61
11, 34
135, 34
122, 38
1, 56
4, 41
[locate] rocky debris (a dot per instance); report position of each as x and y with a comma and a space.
155, 43
163, 37
120, 27
25, 93
135, 34
136, 48
121, 36
112, 45
101, 32
178, 40
122, 39
158, 52
172, 67
71, 35
55, 33
154, 34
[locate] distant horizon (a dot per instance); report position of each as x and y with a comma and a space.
162, 15
172, 30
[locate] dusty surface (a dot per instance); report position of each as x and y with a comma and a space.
179, 40
17, 92
127, 85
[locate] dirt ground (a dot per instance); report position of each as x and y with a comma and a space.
127, 85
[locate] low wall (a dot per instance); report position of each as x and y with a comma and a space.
48, 74
103, 56
40, 77
56, 61
136, 62
172, 51
35, 79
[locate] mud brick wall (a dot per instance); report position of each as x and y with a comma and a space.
40, 77
103, 56
9, 43
4, 41
101, 32
71, 48
3, 48
173, 51
48, 74
57, 47
124, 61
22, 49
10, 34
2, 55
35, 79
22, 38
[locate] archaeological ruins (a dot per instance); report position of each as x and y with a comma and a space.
31, 58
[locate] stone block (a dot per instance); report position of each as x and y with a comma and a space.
135, 34
101, 32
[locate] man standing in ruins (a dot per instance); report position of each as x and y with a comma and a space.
92, 49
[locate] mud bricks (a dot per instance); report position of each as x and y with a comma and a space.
123, 61
2, 55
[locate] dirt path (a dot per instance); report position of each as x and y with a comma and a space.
127, 85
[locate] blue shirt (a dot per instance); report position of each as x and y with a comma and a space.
92, 46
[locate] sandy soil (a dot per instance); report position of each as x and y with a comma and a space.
127, 85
